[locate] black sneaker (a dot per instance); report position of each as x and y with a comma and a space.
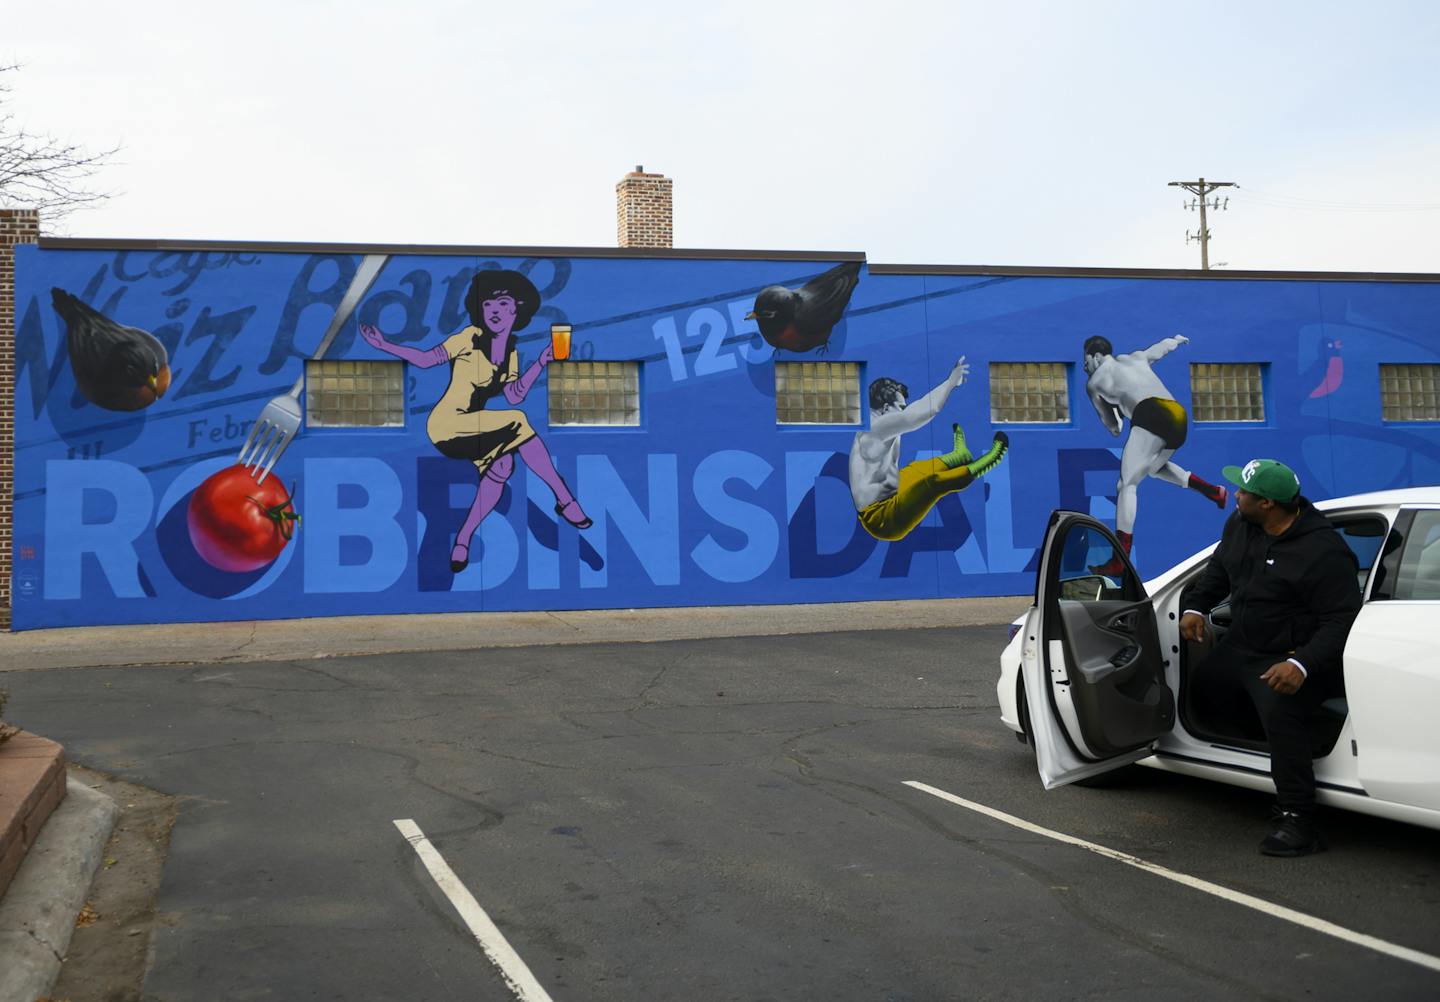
1294, 835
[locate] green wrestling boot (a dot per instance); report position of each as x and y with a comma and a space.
993, 455
961, 456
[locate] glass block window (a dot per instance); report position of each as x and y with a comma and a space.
1029, 392
1409, 392
595, 393
354, 394
817, 393
1227, 391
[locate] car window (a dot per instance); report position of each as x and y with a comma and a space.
1418, 576
1364, 534
1091, 569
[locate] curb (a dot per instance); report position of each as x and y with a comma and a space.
32, 786
179, 644
37, 914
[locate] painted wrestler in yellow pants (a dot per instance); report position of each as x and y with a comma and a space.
926, 481
889, 501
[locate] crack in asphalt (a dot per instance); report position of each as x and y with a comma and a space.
610, 768
642, 700
193, 677
344, 682
411, 764
572, 719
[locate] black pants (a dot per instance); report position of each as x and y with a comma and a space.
1288, 719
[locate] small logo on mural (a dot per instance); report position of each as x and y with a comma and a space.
27, 584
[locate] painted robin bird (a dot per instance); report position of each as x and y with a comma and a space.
801, 319
1329, 368
116, 367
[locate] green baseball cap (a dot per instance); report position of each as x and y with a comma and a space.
1265, 478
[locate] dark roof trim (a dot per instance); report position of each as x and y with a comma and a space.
102, 243
1224, 274
668, 253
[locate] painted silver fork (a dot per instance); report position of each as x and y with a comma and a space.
279, 420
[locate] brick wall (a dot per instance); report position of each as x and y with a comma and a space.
643, 210
17, 226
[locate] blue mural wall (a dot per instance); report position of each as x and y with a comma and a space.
707, 501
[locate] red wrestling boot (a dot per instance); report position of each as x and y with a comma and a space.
1215, 493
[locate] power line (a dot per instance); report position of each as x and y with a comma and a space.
1275, 200
1200, 188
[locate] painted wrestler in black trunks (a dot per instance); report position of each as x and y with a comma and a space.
1125, 386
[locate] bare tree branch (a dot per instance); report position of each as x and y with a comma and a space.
42, 172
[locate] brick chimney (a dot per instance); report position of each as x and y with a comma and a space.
643, 213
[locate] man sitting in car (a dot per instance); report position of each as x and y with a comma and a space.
1293, 595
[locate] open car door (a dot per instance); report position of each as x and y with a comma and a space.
1093, 668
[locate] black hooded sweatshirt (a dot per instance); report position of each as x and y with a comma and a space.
1291, 595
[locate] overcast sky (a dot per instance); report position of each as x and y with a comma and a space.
1025, 133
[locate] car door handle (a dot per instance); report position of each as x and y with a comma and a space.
1125, 622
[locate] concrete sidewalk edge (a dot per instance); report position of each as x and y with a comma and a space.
37, 914
342, 636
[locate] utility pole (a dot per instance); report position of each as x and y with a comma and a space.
1200, 188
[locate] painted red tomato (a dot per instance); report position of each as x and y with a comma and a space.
237, 524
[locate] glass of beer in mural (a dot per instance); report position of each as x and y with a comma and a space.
560, 341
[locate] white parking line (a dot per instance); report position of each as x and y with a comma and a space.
500, 952
1259, 904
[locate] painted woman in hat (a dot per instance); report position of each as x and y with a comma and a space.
484, 364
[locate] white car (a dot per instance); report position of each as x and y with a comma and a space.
1095, 674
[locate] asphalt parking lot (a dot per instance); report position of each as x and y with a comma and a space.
701, 819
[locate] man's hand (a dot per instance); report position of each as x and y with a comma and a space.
372, 336
1192, 628
547, 355
961, 371
1284, 678
1182, 339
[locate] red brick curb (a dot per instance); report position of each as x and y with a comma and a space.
32, 784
